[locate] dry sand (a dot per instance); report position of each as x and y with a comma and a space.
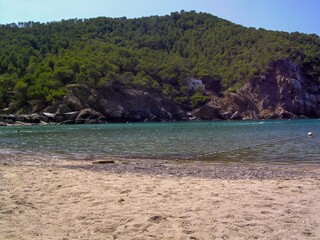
59, 202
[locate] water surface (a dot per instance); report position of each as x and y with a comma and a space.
272, 141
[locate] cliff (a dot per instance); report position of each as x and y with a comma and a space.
114, 103
285, 92
282, 93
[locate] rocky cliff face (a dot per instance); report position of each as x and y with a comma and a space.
115, 104
282, 93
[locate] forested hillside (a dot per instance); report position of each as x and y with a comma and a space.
39, 61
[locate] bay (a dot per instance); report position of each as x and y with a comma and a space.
270, 141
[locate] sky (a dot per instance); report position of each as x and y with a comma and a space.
280, 15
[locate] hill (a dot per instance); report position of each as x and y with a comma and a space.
40, 63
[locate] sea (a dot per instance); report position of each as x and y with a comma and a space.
263, 141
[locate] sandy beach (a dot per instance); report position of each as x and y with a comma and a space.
81, 200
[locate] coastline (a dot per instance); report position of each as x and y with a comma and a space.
137, 199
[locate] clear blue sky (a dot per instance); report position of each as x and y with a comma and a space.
283, 15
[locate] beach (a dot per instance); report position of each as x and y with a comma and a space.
136, 199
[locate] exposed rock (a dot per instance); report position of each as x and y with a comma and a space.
226, 115
207, 113
212, 110
21, 120
283, 93
125, 104
235, 116
68, 117
73, 103
63, 108
121, 104
34, 118
89, 115
114, 103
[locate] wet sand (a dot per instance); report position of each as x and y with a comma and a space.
157, 200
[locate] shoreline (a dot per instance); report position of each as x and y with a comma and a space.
135, 200
179, 168
83, 121
198, 169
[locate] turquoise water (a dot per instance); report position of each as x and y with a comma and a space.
275, 141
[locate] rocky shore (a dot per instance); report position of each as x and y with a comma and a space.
285, 92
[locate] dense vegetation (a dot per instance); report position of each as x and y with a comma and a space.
39, 61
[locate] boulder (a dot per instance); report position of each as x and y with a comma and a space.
73, 103
63, 108
89, 115
207, 113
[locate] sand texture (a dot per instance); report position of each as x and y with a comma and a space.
59, 202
